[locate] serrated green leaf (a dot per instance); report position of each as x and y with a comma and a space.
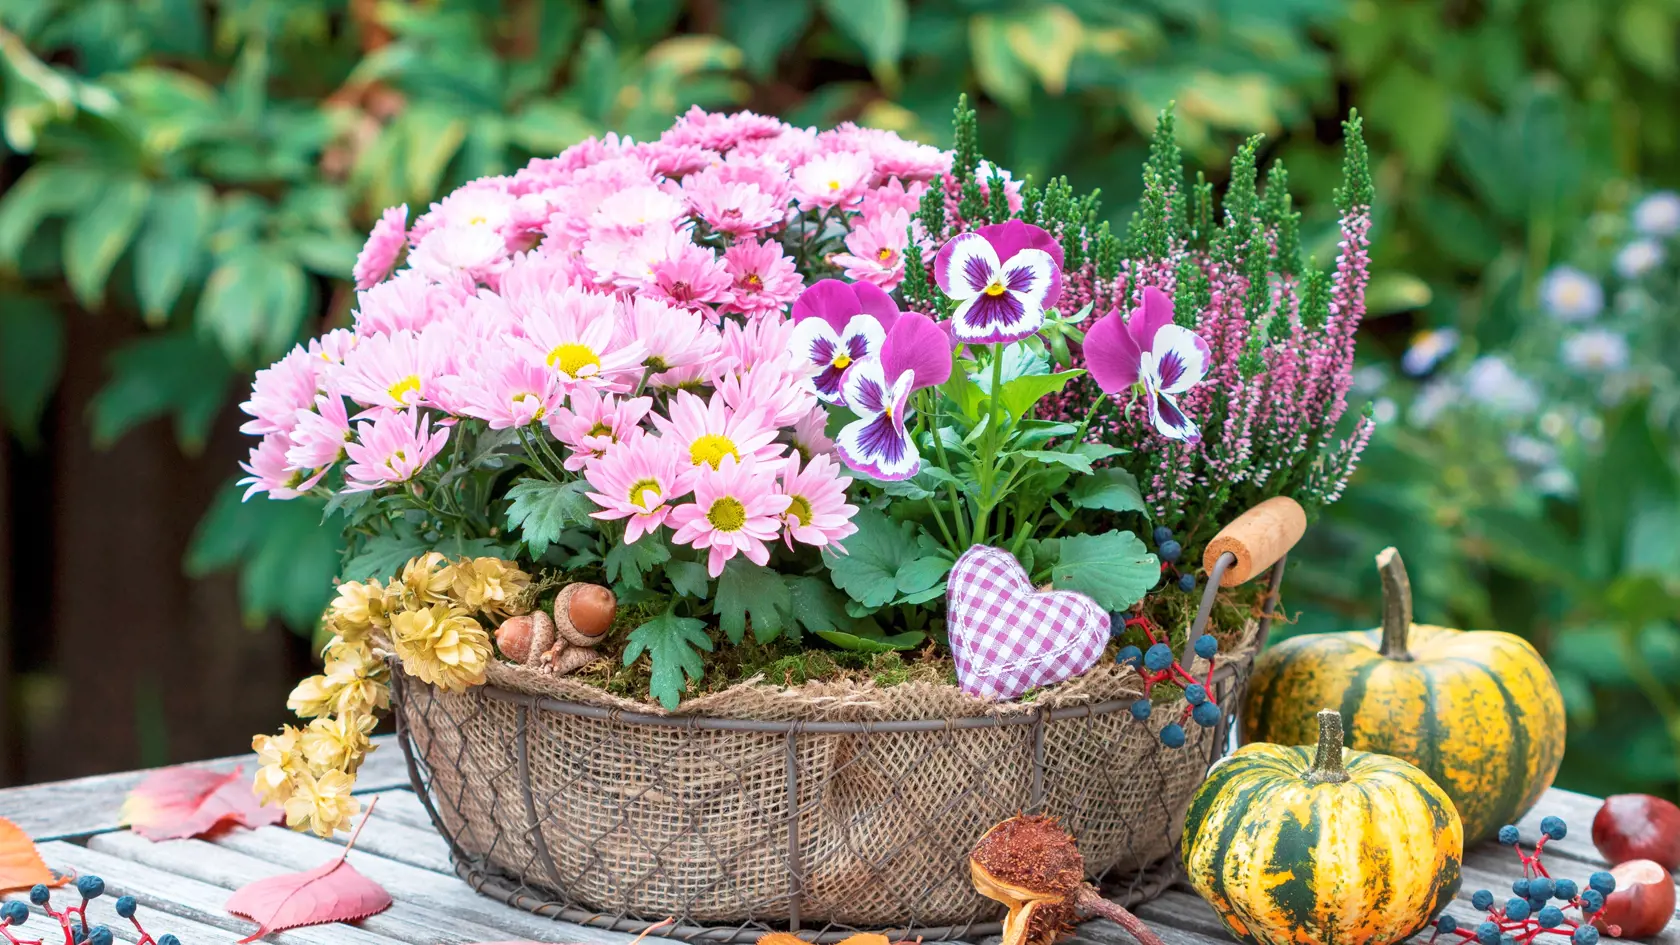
861, 644
1114, 568
541, 510
31, 359
816, 605
170, 247
627, 564
385, 554
751, 590
1020, 394
672, 644
689, 578
1112, 490
96, 236
868, 571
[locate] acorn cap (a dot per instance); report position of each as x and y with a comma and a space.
583, 613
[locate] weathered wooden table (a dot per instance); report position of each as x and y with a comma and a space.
182, 884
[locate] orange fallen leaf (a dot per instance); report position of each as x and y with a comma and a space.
21, 865
180, 802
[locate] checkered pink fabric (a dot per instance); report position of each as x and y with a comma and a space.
1007, 637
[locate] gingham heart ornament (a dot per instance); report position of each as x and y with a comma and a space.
1007, 637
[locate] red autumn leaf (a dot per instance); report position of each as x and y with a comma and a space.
182, 802
20, 863
331, 892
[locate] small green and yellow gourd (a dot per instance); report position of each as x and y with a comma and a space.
1478, 711
1314, 845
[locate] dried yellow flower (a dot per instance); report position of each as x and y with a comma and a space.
359, 609
323, 805
336, 743
490, 585
426, 579
314, 696
442, 646
278, 758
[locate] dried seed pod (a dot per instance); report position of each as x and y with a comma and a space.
525, 639
564, 659
1032, 865
583, 613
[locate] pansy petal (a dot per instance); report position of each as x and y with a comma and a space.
872, 300
1155, 313
1169, 420
917, 344
1011, 237
1111, 356
831, 300
879, 447
958, 263
1181, 358
863, 336
995, 319
865, 388
1034, 274
815, 342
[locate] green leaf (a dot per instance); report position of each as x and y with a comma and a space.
922, 574
31, 360
1073, 461
751, 590
963, 393
548, 127
432, 134
627, 563
689, 578
861, 644
868, 571
1114, 568
816, 605
1113, 490
764, 29
96, 237
385, 554
45, 190
158, 375
999, 69
169, 251
1415, 109
877, 27
1646, 33
286, 560
671, 643
541, 510
1020, 394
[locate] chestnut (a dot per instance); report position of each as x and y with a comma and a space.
1638, 827
1643, 902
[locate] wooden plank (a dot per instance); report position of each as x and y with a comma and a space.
189, 898
71, 809
403, 806
408, 920
103, 911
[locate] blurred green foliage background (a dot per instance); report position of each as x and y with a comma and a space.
207, 171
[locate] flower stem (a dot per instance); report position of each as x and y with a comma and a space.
1327, 764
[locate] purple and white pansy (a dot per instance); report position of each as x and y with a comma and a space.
1004, 276
837, 324
1150, 353
914, 355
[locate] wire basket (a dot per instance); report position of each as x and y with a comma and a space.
802, 821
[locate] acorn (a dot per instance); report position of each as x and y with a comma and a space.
583, 613
524, 639
565, 658
1033, 866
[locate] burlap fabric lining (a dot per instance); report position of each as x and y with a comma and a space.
654, 820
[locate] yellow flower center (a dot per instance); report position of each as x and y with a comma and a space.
600, 429
402, 388
523, 400
727, 514
886, 253
800, 509
711, 449
645, 493
995, 288
572, 358
656, 363
833, 185
753, 280
842, 361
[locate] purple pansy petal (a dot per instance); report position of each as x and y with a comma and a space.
872, 300
1111, 356
958, 260
1181, 359
827, 383
878, 447
1155, 313
831, 300
1009, 238
815, 342
862, 336
996, 319
1033, 274
1169, 420
865, 388
917, 344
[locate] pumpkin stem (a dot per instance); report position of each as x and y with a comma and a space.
1327, 765
1397, 605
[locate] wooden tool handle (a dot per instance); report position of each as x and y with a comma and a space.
1257, 538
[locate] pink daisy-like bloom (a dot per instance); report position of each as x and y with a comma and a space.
319, 437
891, 155
770, 389
817, 512
690, 276
671, 338
736, 209
506, 390
396, 370
736, 510
591, 424
485, 203
280, 391
636, 210
676, 160
404, 302
768, 174
837, 324
831, 180
638, 482
391, 448
761, 342
720, 132
1004, 276
763, 280
334, 346
1011, 187
1149, 351
379, 254
809, 436
892, 196
449, 253
707, 431
574, 335
270, 471
877, 250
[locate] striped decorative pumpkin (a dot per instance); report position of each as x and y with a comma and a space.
1317, 846
1479, 712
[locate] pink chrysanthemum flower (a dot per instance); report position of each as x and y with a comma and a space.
676, 160
770, 389
707, 431
404, 302
506, 390
485, 204
831, 180
817, 511
379, 254
574, 335
391, 448
892, 195
757, 343
737, 209
638, 482
719, 132
809, 436
736, 510
449, 253
590, 424
334, 346
280, 391
877, 250
671, 338
891, 155
636, 210
270, 471
763, 280
396, 370
319, 437
690, 276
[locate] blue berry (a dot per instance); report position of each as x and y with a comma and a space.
1186, 582
78, 934
1487, 933
39, 894
1206, 646
1565, 889
1554, 827
1172, 735
1540, 887
1447, 924
1481, 899
1195, 694
1516, 908
1206, 715
1591, 901
14, 912
126, 907
1520, 887
91, 887
100, 936
1508, 835
1602, 881
1129, 656
1585, 935
1550, 917
1171, 551
1162, 535
168, 938
1159, 657
1141, 709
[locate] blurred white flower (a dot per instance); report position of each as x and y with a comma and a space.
1384, 410
1571, 295
1530, 451
1553, 423
1554, 481
1658, 214
1427, 350
1596, 350
1432, 401
1591, 428
1369, 379
1638, 257
1491, 382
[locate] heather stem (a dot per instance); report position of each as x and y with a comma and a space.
1327, 766
1397, 605
1092, 901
